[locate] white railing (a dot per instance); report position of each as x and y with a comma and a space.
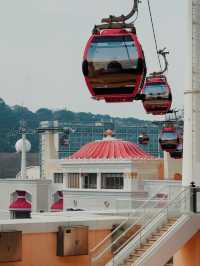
175, 208
137, 217
4, 214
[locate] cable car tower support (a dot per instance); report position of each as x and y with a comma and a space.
191, 154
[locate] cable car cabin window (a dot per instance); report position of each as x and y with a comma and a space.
155, 90
112, 63
168, 136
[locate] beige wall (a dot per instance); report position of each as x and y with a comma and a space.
189, 254
32, 173
171, 166
40, 250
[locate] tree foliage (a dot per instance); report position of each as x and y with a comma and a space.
10, 118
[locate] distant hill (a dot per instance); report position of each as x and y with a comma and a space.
10, 121
10, 163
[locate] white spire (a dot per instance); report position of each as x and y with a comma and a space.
23, 146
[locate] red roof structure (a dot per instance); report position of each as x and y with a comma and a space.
111, 148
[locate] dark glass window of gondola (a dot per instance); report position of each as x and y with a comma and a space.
155, 89
112, 62
168, 136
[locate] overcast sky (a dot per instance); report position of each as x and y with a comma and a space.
42, 42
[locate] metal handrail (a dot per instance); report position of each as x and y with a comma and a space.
140, 230
155, 216
126, 220
132, 225
140, 219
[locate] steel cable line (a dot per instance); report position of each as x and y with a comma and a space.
154, 33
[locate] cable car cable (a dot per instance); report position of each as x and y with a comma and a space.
154, 33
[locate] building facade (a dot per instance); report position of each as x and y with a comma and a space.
84, 133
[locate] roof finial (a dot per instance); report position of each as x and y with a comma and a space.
108, 133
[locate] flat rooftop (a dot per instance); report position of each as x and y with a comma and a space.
49, 222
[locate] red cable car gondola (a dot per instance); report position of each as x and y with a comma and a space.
143, 139
114, 65
178, 153
169, 139
157, 97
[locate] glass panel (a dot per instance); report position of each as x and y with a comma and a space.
112, 62
58, 178
112, 181
90, 181
168, 136
156, 89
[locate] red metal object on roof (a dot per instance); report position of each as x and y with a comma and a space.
111, 149
20, 203
57, 206
114, 65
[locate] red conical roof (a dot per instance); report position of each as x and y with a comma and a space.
110, 148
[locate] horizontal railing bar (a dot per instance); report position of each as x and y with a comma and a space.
142, 228
129, 228
124, 222
156, 215
116, 240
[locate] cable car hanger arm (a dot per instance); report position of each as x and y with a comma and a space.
114, 22
122, 18
164, 53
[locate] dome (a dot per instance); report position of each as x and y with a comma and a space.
19, 143
111, 148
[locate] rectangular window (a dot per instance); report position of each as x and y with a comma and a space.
90, 181
112, 181
73, 180
58, 178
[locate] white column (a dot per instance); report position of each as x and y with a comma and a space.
166, 166
127, 183
48, 151
65, 180
191, 154
23, 157
98, 181
80, 180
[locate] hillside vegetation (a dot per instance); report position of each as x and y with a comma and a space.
10, 121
